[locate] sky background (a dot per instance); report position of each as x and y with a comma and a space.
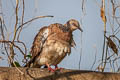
90, 41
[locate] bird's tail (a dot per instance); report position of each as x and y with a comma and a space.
32, 63
29, 64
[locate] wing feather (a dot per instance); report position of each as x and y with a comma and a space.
39, 40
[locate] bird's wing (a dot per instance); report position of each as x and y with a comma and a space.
39, 40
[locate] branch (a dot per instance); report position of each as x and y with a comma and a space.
7, 73
6, 41
32, 20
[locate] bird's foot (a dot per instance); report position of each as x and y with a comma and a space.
51, 69
57, 68
54, 70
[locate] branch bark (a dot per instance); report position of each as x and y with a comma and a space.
12, 73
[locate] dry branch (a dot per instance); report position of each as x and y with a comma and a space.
7, 73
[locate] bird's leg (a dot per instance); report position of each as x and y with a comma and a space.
57, 68
49, 68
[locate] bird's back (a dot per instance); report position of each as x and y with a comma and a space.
60, 32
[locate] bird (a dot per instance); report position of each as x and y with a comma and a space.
52, 43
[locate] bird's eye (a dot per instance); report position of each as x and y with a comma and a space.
74, 24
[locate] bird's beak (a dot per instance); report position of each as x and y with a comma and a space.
80, 29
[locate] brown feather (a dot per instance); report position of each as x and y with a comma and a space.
38, 43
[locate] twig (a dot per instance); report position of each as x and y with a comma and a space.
32, 20
15, 27
103, 49
1, 28
83, 7
95, 58
21, 21
80, 52
105, 58
5, 41
16, 13
104, 20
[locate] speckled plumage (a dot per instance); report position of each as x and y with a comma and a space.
53, 43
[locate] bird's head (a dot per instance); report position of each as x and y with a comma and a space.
73, 25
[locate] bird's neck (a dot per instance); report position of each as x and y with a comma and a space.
68, 27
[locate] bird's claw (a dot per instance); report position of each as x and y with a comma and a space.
51, 69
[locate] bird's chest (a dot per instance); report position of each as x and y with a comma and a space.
54, 51
58, 47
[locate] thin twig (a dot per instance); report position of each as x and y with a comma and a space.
104, 20
83, 7
16, 66
16, 13
105, 58
95, 58
15, 27
32, 20
5, 41
1, 28
21, 21
80, 52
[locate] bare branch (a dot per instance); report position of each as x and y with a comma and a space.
22, 20
32, 20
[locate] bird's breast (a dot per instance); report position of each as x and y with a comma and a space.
57, 45
53, 52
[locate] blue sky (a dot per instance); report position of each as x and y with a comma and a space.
63, 10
